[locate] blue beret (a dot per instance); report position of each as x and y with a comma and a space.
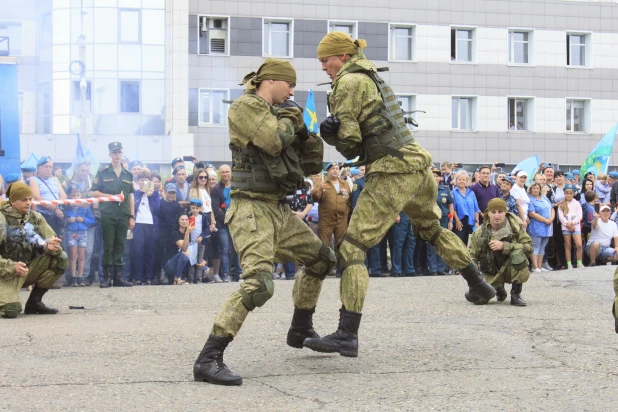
176, 160
354, 172
43, 160
331, 164
72, 188
135, 163
12, 177
177, 169
569, 186
509, 179
613, 175
210, 166
30, 169
196, 202
575, 172
569, 176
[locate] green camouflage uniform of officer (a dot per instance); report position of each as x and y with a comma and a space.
27, 256
272, 151
116, 218
367, 121
615, 300
500, 248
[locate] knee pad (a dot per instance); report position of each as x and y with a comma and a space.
257, 298
12, 309
343, 263
326, 256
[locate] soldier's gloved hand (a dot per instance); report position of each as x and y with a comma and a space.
294, 114
329, 126
291, 103
303, 133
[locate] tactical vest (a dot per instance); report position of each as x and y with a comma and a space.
384, 131
22, 243
256, 171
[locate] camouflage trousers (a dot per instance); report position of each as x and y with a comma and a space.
43, 271
379, 204
263, 233
507, 274
616, 293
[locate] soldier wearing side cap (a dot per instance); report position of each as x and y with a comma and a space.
272, 151
366, 121
116, 218
30, 254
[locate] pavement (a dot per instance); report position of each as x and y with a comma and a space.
422, 347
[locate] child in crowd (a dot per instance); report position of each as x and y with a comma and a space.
79, 219
588, 209
602, 188
199, 239
570, 215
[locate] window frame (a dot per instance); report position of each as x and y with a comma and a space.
21, 46
474, 44
531, 46
473, 108
200, 123
139, 26
530, 114
413, 105
227, 39
271, 20
353, 23
391, 41
588, 51
139, 82
587, 123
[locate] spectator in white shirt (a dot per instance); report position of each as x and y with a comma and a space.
603, 231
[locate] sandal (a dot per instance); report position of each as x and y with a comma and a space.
179, 281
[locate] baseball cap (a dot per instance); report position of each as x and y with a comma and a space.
604, 207
170, 187
522, 173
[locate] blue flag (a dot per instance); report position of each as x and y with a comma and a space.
77, 156
31, 161
310, 117
598, 160
530, 166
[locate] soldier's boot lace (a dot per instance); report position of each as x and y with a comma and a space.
301, 328
35, 306
516, 299
209, 366
344, 341
480, 292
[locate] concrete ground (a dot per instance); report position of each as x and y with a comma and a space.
422, 347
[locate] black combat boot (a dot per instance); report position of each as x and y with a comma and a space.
501, 293
106, 279
119, 279
516, 299
344, 341
480, 291
34, 306
301, 328
209, 366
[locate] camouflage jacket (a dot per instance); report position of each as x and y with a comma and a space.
355, 98
22, 238
517, 246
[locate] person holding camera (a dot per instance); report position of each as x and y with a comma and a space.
146, 230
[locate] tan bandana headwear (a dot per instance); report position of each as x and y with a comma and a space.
337, 43
271, 69
18, 191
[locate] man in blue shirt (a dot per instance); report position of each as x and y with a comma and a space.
505, 193
484, 190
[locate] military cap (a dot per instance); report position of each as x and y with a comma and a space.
135, 163
331, 164
613, 175
176, 160
43, 160
73, 188
509, 180
436, 171
113, 146
575, 172
569, 176
170, 187
30, 169
210, 166
12, 177
569, 187
354, 172
195, 202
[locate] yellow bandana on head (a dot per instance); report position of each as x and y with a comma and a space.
337, 43
271, 69
18, 191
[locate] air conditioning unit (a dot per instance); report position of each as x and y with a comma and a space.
213, 31
218, 39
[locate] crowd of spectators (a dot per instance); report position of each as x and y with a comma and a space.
180, 236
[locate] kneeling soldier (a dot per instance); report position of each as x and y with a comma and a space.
500, 247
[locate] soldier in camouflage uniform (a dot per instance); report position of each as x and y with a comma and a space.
272, 151
30, 254
366, 121
501, 247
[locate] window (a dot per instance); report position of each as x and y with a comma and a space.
578, 115
521, 46
402, 42
463, 113
278, 38
212, 108
77, 99
520, 113
129, 96
10, 38
344, 26
213, 36
579, 49
463, 44
408, 105
129, 27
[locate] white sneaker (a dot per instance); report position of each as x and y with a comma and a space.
543, 270
275, 275
537, 270
546, 267
217, 279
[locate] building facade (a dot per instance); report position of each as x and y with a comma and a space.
496, 80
